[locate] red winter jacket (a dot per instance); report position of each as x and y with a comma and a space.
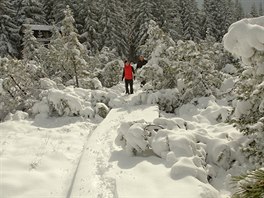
128, 72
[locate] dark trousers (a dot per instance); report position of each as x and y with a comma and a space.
130, 83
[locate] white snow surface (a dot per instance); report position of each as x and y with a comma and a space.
193, 156
244, 37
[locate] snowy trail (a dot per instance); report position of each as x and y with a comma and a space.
95, 177
43, 152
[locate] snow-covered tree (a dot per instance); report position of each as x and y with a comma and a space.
53, 64
253, 11
74, 52
30, 46
238, 12
30, 12
142, 14
112, 73
260, 12
189, 19
111, 27
9, 36
172, 23
216, 21
20, 85
87, 17
249, 111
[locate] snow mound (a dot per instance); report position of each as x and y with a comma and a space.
244, 37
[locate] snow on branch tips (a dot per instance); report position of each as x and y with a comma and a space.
245, 37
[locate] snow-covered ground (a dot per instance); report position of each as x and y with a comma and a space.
194, 155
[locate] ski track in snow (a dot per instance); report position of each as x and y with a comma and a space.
92, 179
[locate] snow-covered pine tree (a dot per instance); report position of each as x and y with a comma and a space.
215, 22
250, 185
229, 14
189, 19
112, 73
48, 8
20, 83
89, 15
143, 13
53, 64
9, 36
159, 73
30, 12
249, 111
172, 23
197, 70
251, 123
57, 12
260, 12
31, 46
253, 11
238, 12
111, 27
74, 52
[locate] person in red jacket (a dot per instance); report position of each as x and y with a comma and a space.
128, 74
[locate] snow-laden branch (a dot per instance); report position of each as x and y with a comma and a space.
245, 37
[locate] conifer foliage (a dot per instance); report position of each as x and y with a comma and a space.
250, 185
9, 36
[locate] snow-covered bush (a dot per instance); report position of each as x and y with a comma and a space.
67, 102
188, 149
20, 84
245, 39
101, 109
190, 67
132, 137
112, 73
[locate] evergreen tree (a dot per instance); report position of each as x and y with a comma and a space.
172, 23
54, 63
74, 52
48, 6
188, 16
111, 73
30, 12
260, 9
57, 12
250, 185
9, 36
215, 22
253, 11
111, 27
143, 13
250, 89
229, 14
30, 46
20, 82
239, 12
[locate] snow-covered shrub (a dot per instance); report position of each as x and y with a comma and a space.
101, 109
245, 40
67, 102
20, 84
191, 67
46, 83
86, 83
112, 73
168, 99
132, 137
107, 55
18, 115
